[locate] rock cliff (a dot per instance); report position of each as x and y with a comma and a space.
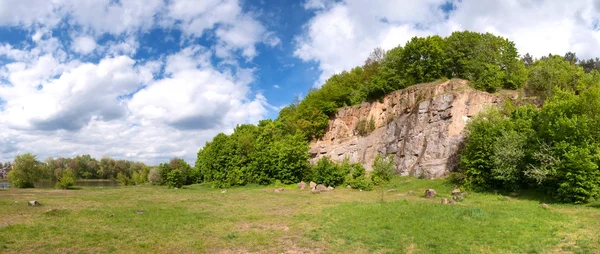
421, 126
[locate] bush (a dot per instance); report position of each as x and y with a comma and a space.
123, 179
357, 178
66, 181
154, 176
175, 179
383, 169
328, 173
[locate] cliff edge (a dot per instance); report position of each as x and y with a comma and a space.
421, 126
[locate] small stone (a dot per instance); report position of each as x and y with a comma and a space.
430, 193
313, 185
391, 190
444, 201
112, 215
411, 192
139, 211
455, 192
302, 185
348, 187
278, 190
34, 203
223, 191
545, 206
452, 202
321, 187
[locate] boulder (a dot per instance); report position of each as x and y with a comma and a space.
430, 193
321, 187
312, 185
452, 202
302, 185
330, 188
456, 192
444, 201
34, 203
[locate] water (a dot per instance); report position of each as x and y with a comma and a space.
78, 183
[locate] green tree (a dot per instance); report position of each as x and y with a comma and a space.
26, 170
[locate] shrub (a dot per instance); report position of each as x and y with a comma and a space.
383, 169
175, 179
66, 181
154, 176
357, 178
123, 179
328, 173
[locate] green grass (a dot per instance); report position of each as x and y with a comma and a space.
255, 219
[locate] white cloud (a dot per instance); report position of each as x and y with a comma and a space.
342, 34
276, 86
83, 45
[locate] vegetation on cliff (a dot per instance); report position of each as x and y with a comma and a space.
555, 149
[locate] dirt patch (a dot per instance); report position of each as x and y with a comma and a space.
245, 226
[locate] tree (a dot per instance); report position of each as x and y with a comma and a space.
552, 73
26, 171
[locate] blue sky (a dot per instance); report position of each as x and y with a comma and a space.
154, 79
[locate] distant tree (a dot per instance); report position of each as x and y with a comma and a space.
571, 57
527, 60
26, 171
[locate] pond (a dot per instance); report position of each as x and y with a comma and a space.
78, 183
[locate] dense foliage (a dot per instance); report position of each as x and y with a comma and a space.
555, 149
25, 171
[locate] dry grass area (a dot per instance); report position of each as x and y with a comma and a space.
254, 219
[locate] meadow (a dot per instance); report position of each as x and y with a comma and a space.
256, 219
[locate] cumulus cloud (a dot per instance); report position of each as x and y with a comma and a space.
84, 45
53, 102
342, 34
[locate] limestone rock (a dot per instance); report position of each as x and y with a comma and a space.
430, 193
330, 188
444, 201
140, 212
456, 192
545, 206
34, 203
421, 126
452, 202
321, 187
312, 185
411, 192
302, 185
313, 191
278, 190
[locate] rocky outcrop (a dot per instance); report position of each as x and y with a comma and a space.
422, 127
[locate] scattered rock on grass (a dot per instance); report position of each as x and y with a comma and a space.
278, 190
139, 211
444, 201
391, 190
455, 192
452, 202
330, 188
430, 193
312, 191
34, 203
411, 192
223, 191
545, 206
302, 185
321, 187
312, 185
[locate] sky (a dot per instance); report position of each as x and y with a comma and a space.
149, 80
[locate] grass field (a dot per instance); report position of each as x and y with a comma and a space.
255, 219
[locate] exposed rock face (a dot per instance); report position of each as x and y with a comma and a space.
421, 126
